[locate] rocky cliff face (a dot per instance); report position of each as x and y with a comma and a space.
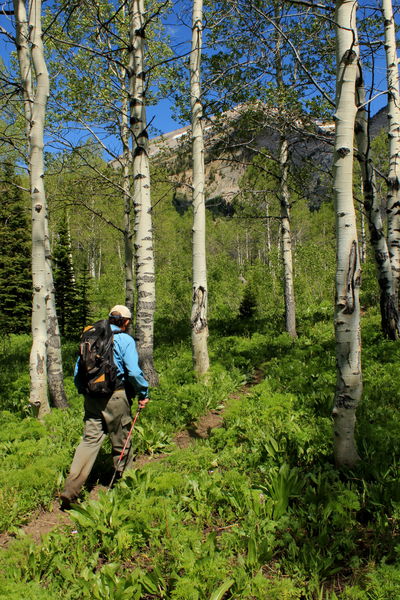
231, 142
378, 122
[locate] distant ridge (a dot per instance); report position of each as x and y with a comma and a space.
228, 151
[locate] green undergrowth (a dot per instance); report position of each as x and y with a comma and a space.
35, 456
255, 511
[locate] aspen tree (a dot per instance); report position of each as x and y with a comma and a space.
393, 196
389, 312
36, 112
199, 272
120, 73
24, 60
363, 250
286, 236
145, 271
348, 272
46, 347
286, 241
128, 201
89, 54
55, 374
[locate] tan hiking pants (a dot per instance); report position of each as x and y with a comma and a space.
110, 416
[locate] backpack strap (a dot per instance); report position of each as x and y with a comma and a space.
119, 383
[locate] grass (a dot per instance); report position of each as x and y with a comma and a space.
256, 511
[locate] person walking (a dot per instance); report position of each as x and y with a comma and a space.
110, 415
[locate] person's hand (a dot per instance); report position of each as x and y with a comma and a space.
142, 403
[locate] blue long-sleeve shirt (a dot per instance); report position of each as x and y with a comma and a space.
127, 362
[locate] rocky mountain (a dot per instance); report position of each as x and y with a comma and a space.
231, 142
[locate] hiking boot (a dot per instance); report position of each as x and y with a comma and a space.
65, 502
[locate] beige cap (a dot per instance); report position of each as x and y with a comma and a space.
120, 311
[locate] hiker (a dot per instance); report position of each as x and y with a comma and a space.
111, 414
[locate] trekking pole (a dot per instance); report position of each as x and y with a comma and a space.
124, 448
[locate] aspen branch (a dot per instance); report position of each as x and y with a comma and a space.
296, 53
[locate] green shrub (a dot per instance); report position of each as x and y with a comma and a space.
256, 510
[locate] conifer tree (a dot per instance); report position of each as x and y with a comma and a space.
83, 299
65, 282
15, 276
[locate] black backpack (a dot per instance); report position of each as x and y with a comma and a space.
97, 371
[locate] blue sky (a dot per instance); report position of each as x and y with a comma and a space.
161, 115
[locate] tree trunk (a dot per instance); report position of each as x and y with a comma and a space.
268, 228
128, 202
286, 236
393, 197
55, 374
348, 272
34, 108
363, 254
24, 61
389, 312
145, 272
38, 356
199, 268
286, 243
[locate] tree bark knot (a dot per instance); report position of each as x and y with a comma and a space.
200, 295
199, 318
349, 56
141, 32
342, 152
394, 184
40, 365
343, 401
353, 279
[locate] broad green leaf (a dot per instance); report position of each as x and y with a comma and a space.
219, 593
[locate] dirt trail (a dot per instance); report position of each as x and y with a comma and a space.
44, 521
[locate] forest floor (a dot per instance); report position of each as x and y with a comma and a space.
44, 521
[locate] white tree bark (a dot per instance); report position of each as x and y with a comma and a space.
363, 250
121, 74
393, 197
348, 272
128, 200
55, 373
286, 236
286, 242
199, 268
268, 228
145, 271
38, 356
31, 57
389, 312
24, 60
